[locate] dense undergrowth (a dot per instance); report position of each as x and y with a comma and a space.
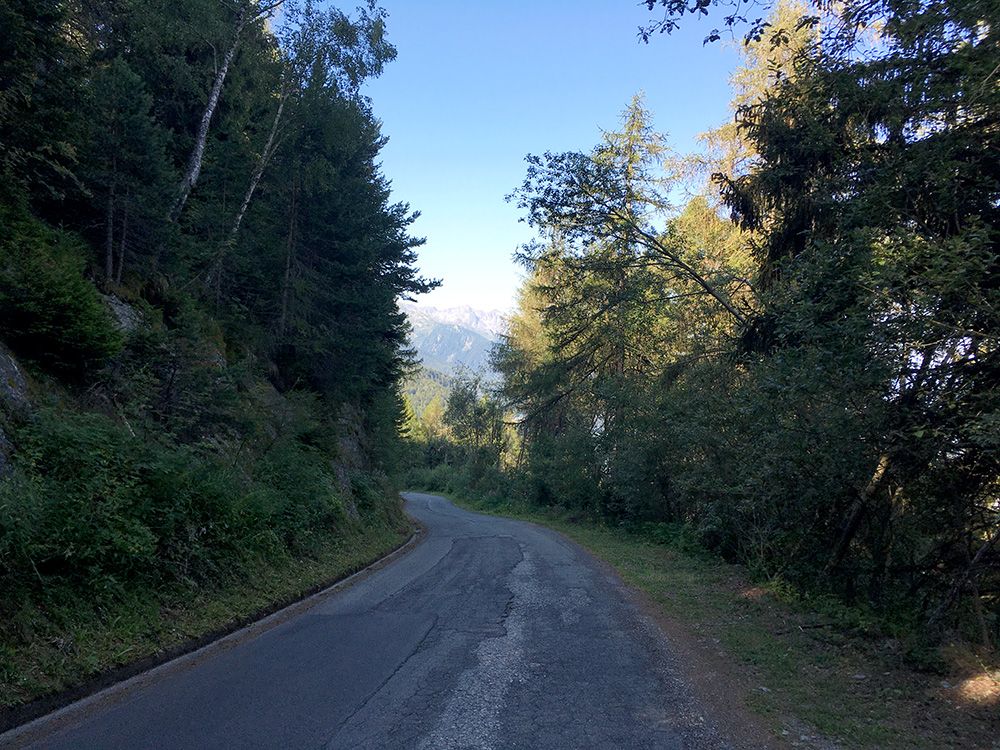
93, 511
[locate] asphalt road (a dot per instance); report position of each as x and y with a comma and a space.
492, 633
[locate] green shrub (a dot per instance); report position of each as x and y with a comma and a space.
306, 505
563, 468
49, 312
80, 512
377, 503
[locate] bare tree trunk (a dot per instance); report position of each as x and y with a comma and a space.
858, 512
967, 577
109, 237
194, 164
977, 605
262, 162
121, 248
258, 173
860, 506
285, 286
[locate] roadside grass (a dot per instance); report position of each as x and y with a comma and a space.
43, 652
820, 676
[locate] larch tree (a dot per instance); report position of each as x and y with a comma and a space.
872, 198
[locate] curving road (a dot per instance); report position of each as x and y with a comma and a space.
492, 633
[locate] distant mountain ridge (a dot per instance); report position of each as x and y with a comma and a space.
446, 339
489, 324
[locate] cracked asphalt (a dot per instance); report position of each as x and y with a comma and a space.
492, 633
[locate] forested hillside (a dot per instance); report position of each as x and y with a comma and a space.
796, 367
426, 387
200, 263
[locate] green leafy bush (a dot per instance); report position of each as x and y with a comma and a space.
48, 311
98, 511
77, 518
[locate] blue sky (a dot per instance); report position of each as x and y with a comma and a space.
477, 86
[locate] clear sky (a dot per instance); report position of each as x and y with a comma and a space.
478, 85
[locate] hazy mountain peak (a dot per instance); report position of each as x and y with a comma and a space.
487, 323
447, 338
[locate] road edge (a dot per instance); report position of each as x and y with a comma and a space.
34, 721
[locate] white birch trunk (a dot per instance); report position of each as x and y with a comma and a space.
261, 164
194, 164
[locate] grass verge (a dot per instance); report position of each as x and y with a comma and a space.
818, 679
50, 658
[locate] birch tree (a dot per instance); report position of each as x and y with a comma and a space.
247, 12
348, 51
